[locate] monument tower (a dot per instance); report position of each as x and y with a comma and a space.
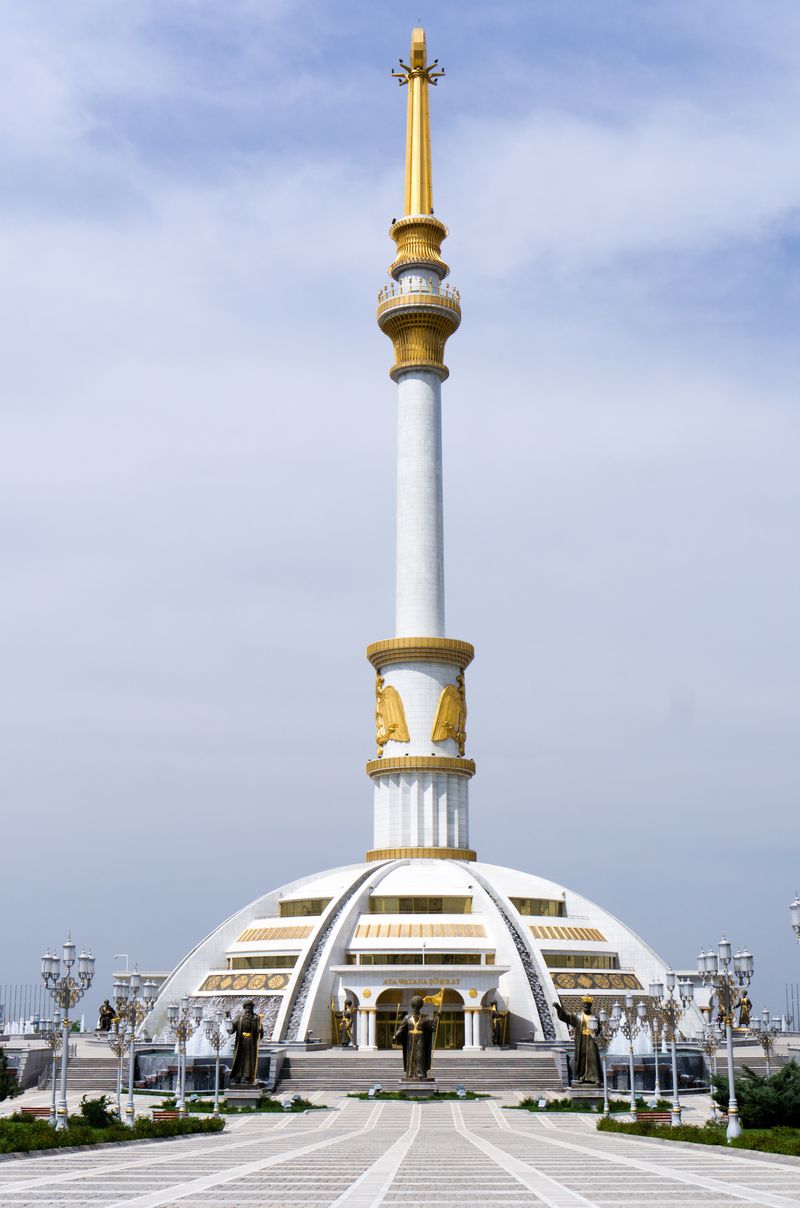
421, 912
421, 775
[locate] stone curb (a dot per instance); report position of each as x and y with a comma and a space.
783, 1159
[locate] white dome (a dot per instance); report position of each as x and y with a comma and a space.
376, 932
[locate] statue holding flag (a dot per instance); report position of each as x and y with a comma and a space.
416, 1034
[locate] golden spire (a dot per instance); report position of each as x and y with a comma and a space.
419, 192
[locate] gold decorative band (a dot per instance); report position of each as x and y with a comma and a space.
422, 853
421, 763
420, 650
419, 324
419, 241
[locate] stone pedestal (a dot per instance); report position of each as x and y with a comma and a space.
243, 1096
418, 1088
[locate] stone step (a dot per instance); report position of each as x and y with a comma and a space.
358, 1071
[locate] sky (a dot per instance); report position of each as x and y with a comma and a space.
197, 455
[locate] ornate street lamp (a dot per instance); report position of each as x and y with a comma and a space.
66, 991
217, 1037
630, 1025
766, 1031
50, 1029
710, 1045
183, 1021
794, 915
118, 1043
603, 1034
729, 975
134, 1008
669, 1009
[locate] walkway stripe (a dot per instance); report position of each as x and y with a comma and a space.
554, 1194
145, 1157
718, 1186
370, 1188
179, 1191
500, 1119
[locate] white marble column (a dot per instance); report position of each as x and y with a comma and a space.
372, 1018
420, 525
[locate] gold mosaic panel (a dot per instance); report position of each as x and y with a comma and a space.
542, 932
419, 931
236, 982
295, 931
596, 981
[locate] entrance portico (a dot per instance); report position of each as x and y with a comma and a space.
382, 996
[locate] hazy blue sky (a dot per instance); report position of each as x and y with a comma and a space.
197, 444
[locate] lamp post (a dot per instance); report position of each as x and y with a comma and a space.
217, 1037
630, 1025
669, 1010
133, 1006
710, 1044
50, 1029
766, 1032
794, 915
182, 1022
118, 1043
603, 1032
656, 1080
729, 975
66, 991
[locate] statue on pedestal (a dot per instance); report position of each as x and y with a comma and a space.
247, 1030
745, 1007
586, 1058
416, 1036
106, 1017
345, 1024
499, 1022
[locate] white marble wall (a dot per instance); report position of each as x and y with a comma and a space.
421, 809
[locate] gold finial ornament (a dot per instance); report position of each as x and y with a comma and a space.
419, 191
390, 716
451, 715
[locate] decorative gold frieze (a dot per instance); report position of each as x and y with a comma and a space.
451, 714
550, 932
421, 853
292, 932
420, 650
420, 931
390, 716
243, 981
596, 981
420, 763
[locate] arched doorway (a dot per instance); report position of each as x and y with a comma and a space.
392, 1005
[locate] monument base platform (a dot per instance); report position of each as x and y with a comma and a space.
243, 1096
417, 1088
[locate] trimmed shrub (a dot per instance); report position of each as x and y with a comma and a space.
21, 1135
764, 1102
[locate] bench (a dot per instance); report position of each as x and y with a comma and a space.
38, 1113
653, 1117
163, 1113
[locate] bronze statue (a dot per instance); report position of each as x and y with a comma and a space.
106, 1017
345, 1022
499, 1024
247, 1029
416, 1036
586, 1058
745, 1007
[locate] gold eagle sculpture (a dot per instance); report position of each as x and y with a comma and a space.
451, 714
390, 716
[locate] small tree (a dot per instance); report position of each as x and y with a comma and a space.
9, 1087
764, 1102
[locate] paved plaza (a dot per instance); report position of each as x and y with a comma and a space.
363, 1154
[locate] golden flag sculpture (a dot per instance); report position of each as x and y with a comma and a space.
436, 999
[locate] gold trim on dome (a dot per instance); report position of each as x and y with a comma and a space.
420, 931
420, 763
421, 853
297, 931
541, 932
420, 650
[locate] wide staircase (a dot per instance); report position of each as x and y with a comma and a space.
531, 1073
95, 1075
